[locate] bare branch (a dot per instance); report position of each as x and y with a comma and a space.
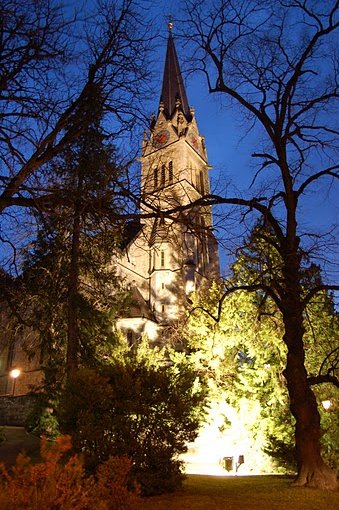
322, 379
327, 172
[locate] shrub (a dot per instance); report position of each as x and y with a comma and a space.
42, 420
59, 483
144, 409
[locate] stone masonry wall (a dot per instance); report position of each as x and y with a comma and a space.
15, 410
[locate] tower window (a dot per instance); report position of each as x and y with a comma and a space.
162, 308
163, 175
162, 259
155, 176
170, 172
202, 184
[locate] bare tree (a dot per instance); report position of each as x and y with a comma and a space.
50, 60
276, 61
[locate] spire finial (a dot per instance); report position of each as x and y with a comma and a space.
170, 22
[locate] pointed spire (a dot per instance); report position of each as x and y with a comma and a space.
173, 89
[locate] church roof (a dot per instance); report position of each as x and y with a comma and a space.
173, 86
130, 232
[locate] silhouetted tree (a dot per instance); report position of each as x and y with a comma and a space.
70, 262
50, 60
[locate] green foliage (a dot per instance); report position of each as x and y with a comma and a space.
141, 406
243, 354
329, 423
69, 290
42, 420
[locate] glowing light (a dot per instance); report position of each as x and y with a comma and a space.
15, 373
225, 446
326, 404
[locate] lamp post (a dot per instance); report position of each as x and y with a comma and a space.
14, 374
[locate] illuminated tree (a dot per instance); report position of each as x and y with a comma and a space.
238, 345
284, 81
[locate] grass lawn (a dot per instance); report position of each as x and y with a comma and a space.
242, 493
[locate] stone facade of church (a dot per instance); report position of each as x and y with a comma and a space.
173, 251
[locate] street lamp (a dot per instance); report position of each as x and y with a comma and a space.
14, 374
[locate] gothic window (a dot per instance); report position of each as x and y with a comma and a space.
155, 175
201, 183
204, 256
130, 336
163, 175
170, 172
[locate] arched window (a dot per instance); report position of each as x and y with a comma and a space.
170, 172
202, 182
163, 175
156, 178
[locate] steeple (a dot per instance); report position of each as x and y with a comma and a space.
173, 88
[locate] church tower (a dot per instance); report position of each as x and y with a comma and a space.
175, 252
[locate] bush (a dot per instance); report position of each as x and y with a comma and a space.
42, 422
144, 409
61, 484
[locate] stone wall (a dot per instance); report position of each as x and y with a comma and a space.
15, 410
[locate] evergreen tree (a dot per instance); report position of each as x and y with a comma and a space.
138, 406
239, 346
70, 282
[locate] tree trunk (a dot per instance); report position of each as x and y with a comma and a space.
73, 288
312, 471
72, 332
